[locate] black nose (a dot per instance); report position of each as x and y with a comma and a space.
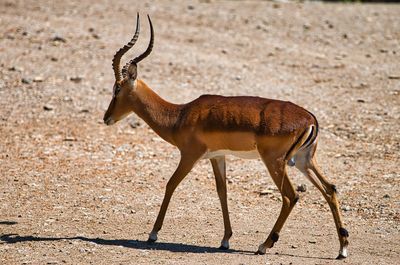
106, 119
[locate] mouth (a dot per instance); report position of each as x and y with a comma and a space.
109, 121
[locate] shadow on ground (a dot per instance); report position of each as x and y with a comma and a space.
8, 223
137, 244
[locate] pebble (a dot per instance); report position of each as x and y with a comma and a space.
15, 69
134, 123
302, 188
346, 208
265, 192
76, 79
48, 107
38, 79
25, 80
69, 139
58, 38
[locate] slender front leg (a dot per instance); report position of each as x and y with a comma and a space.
188, 160
218, 164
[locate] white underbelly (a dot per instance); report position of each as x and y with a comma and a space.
253, 154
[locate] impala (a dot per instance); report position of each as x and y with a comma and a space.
210, 127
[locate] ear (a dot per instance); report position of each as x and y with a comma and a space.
132, 71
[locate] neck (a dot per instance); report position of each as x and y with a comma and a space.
158, 113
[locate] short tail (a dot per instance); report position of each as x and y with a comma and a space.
306, 139
315, 135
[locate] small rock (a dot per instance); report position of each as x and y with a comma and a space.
38, 79
302, 188
346, 208
134, 123
265, 192
25, 80
386, 196
306, 26
293, 246
84, 111
361, 85
190, 7
312, 241
48, 107
58, 38
360, 100
238, 78
15, 69
76, 79
394, 76
69, 139
53, 59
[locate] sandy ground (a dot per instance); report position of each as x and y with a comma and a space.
75, 191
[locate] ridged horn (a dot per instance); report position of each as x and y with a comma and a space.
116, 62
143, 55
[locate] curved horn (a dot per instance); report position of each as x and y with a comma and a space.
117, 57
143, 55
150, 47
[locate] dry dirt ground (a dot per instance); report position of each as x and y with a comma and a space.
75, 191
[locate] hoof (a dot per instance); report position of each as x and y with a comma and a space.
152, 237
261, 250
223, 247
340, 257
151, 241
258, 252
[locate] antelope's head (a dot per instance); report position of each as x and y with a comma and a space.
124, 90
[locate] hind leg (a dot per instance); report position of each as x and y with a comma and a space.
307, 164
277, 170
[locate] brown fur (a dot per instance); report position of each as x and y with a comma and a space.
261, 116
